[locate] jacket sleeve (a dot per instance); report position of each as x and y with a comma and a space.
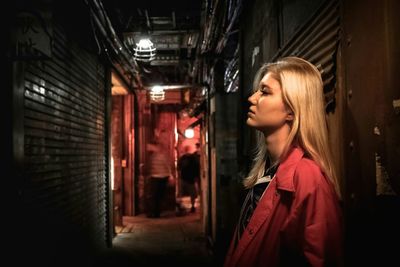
322, 239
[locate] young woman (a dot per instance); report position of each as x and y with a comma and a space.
291, 215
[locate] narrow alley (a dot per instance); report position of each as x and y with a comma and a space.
201, 133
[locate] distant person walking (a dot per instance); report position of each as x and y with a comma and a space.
189, 171
160, 171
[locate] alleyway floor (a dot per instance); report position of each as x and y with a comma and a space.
167, 241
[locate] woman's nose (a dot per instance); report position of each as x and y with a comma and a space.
253, 99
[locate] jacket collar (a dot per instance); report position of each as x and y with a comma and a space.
285, 173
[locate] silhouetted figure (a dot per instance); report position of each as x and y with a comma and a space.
159, 174
189, 170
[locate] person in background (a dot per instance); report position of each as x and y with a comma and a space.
189, 171
159, 172
291, 215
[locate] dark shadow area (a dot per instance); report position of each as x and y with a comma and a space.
42, 240
372, 236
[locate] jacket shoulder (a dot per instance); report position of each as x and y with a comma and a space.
308, 176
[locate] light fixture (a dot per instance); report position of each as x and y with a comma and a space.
189, 133
157, 93
144, 50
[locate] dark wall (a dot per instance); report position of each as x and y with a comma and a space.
294, 13
60, 144
228, 185
371, 62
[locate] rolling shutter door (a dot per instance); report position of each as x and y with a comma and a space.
65, 151
317, 41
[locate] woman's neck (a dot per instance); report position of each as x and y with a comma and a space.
276, 142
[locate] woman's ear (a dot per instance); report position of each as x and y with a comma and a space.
290, 116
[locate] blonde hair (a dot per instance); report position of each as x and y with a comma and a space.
302, 93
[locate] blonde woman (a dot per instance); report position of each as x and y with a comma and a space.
291, 215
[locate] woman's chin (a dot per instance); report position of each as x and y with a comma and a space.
250, 122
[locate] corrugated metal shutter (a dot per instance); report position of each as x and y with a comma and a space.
317, 41
64, 136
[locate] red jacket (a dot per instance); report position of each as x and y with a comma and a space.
297, 222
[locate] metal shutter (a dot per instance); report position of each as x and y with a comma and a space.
317, 41
65, 155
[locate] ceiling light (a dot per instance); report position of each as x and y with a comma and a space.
157, 93
189, 133
144, 50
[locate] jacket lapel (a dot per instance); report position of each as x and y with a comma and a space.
283, 181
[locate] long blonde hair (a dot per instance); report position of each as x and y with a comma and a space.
302, 93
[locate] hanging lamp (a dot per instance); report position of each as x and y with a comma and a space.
144, 50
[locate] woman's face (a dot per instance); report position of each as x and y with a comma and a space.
267, 111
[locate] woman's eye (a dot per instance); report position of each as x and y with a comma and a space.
264, 91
